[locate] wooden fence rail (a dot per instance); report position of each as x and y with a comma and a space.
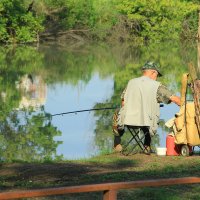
109, 189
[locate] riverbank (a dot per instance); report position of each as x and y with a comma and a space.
105, 169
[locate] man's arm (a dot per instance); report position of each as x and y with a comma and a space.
164, 95
175, 99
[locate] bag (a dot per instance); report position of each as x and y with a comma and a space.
186, 130
179, 128
186, 127
185, 122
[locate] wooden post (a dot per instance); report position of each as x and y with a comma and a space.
109, 189
110, 195
198, 58
198, 34
198, 46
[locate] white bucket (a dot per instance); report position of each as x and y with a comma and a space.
161, 151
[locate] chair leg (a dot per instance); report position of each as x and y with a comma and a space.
135, 133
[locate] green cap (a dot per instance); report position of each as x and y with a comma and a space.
152, 65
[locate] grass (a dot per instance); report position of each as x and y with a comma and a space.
104, 169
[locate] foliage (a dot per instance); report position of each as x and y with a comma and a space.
24, 20
107, 16
156, 20
97, 16
70, 14
16, 23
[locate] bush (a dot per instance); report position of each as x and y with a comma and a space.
117, 19
156, 20
16, 23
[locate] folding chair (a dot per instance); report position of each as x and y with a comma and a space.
135, 140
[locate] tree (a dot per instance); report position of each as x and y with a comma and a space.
157, 20
17, 24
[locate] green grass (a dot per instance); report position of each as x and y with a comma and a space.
106, 169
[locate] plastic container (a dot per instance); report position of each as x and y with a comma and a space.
172, 148
161, 151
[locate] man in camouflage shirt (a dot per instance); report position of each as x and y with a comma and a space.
141, 103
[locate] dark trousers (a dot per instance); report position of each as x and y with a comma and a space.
147, 138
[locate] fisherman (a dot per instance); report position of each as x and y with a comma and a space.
141, 100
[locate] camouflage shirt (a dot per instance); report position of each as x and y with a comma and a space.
164, 94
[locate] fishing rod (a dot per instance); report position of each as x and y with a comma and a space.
86, 110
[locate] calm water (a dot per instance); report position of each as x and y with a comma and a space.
36, 83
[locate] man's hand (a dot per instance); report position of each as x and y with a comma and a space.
176, 100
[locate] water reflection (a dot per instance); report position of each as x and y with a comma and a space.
33, 91
36, 83
78, 129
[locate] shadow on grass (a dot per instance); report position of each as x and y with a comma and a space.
106, 169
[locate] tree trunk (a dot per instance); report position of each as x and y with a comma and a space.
198, 47
198, 34
198, 59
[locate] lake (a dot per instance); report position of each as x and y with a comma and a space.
39, 82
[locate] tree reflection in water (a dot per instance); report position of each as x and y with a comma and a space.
25, 134
28, 137
26, 131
